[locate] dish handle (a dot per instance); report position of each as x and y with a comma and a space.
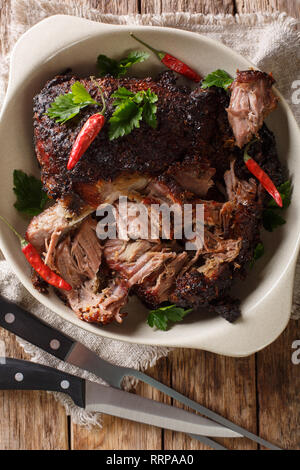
38, 43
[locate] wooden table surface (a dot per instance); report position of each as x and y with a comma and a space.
257, 392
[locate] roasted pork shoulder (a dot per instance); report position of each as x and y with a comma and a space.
191, 158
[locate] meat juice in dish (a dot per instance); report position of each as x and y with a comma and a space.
194, 155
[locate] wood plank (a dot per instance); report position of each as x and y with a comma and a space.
30, 420
192, 6
123, 434
223, 384
292, 7
278, 382
114, 7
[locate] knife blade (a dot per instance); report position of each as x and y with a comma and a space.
17, 374
32, 329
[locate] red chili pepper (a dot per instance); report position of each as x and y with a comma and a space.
262, 177
37, 263
172, 62
87, 135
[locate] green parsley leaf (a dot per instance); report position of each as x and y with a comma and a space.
130, 110
272, 220
285, 190
271, 215
31, 198
149, 109
134, 57
63, 108
259, 251
138, 98
107, 66
151, 96
126, 117
218, 78
121, 95
161, 316
117, 69
160, 321
81, 95
149, 114
67, 106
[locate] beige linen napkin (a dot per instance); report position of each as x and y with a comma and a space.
271, 41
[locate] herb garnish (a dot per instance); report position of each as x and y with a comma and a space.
271, 215
259, 251
67, 106
218, 78
285, 190
131, 108
272, 218
116, 68
31, 198
161, 316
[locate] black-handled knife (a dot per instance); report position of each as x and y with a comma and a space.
27, 326
16, 374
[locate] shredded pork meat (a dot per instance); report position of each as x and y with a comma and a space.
78, 260
252, 99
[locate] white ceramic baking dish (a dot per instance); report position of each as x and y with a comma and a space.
60, 42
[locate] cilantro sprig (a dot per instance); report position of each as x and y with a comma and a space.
272, 218
131, 109
161, 317
118, 68
218, 78
67, 106
31, 199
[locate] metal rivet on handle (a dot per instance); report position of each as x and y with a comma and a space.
65, 384
54, 344
9, 318
19, 377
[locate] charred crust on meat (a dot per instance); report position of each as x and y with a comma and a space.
147, 297
246, 76
195, 289
38, 283
181, 116
58, 139
227, 308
